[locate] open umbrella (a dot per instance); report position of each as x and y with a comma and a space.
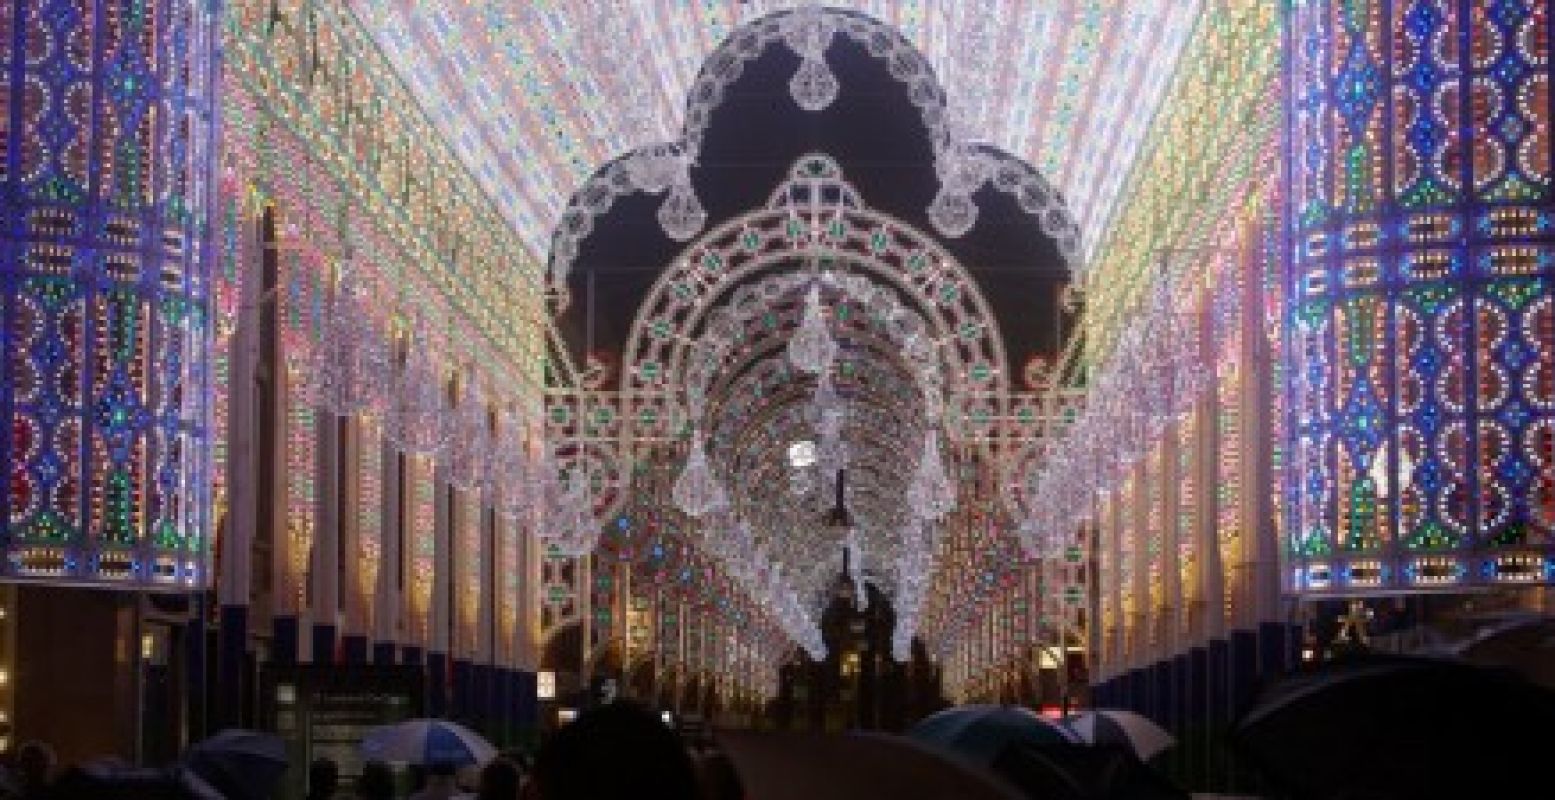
1400, 727
1525, 644
427, 741
240, 763
1082, 772
108, 780
981, 732
858, 766
1137, 732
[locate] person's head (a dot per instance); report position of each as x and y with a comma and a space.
612, 752
323, 777
376, 783
499, 781
34, 765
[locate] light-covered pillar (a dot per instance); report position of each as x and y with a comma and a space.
1420, 295
106, 189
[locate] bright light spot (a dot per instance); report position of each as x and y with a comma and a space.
545, 685
801, 454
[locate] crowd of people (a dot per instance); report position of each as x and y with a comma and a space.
621, 750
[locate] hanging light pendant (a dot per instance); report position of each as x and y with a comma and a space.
470, 456
682, 215
811, 349
931, 495
697, 491
573, 530
813, 86
953, 213
808, 32
419, 422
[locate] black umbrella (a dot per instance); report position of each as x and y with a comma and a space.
1065, 771
243, 764
106, 780
858, 766
1379, 727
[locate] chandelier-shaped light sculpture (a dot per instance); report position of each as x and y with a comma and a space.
827, 407
514, 474
697, 491
572, 528
469, 458
811, 348
418, 419
351, 369
931, 495
1153, 374
854, 554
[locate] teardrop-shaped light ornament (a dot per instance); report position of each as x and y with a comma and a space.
682, 215
813, 86
953, 214
697, 491
811, 348
930, 494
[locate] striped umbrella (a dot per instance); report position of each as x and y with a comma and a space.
427, 741
1117, 726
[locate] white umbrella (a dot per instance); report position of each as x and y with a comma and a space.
1116, 726
427, 741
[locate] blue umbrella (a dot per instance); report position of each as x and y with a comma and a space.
981, 732
240, 763
427, 741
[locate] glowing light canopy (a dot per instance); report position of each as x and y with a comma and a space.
521, 91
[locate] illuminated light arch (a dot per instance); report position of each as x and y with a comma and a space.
739, 281
867, 242
1033, 192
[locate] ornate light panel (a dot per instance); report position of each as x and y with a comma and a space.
105, 181
1421, 290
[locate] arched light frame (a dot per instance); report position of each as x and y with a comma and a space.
1033, 192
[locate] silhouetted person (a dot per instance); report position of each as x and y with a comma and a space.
323, 779
442, 783
500, 781
376, 783
34, 769
620, 751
